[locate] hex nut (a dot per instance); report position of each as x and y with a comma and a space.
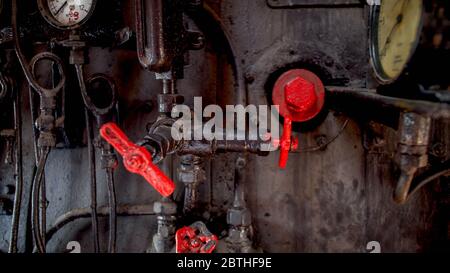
168, 208
239, 217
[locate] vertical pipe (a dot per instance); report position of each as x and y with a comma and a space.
93, 181
36, 185
18, 174
112, 210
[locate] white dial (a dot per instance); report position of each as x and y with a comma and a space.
70, 12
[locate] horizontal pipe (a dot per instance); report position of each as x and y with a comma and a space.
425, 108
75, 214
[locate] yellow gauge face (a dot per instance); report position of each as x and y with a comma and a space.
398, 31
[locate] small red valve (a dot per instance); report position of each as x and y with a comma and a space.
299, 95
195, 239
137, 159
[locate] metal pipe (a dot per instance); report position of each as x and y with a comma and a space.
43, 207
169, 86
112, 210
91, 153
37, 180
425, 108
18, 175
107, 154
93, 181
191, 173
45, 122
413, 139
151, 43
206, 148
23, 62
103, 211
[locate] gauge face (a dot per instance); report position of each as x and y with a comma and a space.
395, 32
66, 13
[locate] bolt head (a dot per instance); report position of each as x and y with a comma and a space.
300, 95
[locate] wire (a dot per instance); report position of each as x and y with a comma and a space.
36, 186
445, 170
324, 145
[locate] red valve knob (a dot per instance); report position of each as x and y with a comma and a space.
137, 159
300, 96
195, 239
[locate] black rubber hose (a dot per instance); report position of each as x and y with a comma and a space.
35, 200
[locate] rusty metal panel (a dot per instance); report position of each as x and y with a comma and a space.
334, 199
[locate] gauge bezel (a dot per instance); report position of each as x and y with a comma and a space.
48, 16
380, 75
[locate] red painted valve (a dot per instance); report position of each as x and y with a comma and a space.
300, 96
137, 159
195, 239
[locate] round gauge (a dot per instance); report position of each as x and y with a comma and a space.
395, 31
66, 14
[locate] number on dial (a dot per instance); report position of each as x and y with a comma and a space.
69, 12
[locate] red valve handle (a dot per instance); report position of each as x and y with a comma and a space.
300, 96
137, 159
195, 239
287, 143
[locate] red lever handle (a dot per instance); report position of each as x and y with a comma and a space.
137, 159
300, 96
195, 239
287, 143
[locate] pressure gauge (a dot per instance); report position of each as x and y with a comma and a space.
66, 14
394, 34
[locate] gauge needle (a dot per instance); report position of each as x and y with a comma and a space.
394, 28
388, 40
61, 8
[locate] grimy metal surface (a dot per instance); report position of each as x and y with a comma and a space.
337, 199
